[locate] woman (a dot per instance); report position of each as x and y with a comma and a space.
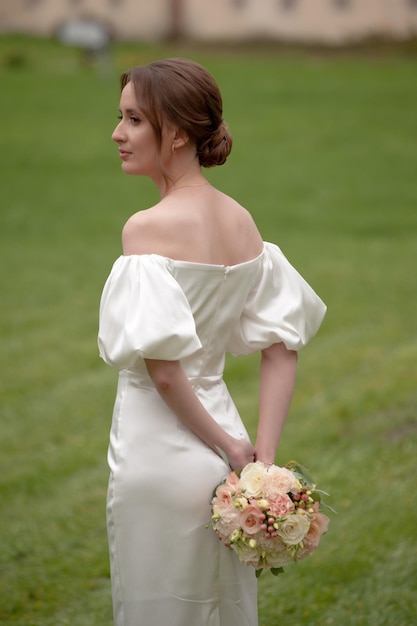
195, 280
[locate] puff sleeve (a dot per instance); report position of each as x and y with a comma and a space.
282, 307
144, 314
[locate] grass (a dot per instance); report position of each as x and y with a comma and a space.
324, 157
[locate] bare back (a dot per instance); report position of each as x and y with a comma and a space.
199, 225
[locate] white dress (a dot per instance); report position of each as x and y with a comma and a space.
167, 567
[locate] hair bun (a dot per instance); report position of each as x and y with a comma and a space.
215, 150
185, 95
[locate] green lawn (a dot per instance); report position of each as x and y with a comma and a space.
325, 156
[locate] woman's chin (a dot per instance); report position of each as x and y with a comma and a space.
128, 169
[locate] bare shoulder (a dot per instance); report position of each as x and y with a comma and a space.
140, 231
236, 211
155, 230
240, 225
208, 227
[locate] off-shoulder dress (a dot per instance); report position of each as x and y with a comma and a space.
167, 568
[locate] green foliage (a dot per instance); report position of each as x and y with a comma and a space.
324, 156
275, 571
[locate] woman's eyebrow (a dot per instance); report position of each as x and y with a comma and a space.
129, 110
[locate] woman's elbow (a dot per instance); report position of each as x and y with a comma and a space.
162, 373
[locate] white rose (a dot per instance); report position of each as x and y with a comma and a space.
247, 554
251, 479
294, 529
278, 559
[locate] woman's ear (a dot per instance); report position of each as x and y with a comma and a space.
180, 139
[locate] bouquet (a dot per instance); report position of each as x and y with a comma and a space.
269, 515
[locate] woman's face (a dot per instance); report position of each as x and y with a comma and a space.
135, 137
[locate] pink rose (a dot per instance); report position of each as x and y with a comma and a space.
281, 505
233, 482
251, 519
223, 497
318, 526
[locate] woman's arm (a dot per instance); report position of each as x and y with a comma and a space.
277, 379
174, 388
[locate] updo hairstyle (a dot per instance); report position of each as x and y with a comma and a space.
183, 93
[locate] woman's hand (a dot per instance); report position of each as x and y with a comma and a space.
239, 453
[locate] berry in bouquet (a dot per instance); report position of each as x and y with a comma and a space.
269, 515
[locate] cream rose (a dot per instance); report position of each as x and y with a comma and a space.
278, 558
293, 530
248, 555
251, 479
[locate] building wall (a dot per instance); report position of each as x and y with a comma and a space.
331, 21
125, 18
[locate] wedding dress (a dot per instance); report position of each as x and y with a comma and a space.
167, 567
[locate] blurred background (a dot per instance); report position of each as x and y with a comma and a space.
321, 100
323, 21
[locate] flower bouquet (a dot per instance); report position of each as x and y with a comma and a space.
269, 515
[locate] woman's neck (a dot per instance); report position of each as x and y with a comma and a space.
188, 181
183, 172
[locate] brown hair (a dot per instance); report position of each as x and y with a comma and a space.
183, 93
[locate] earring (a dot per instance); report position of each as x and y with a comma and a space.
173, 148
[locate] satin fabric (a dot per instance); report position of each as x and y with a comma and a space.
167, 567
